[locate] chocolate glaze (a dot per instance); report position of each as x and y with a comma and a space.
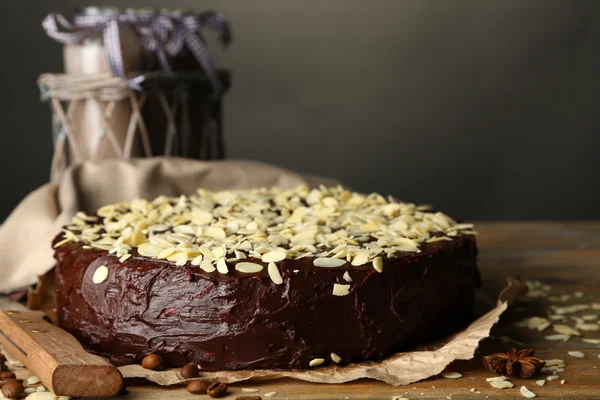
238, 320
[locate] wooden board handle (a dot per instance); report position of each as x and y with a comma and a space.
56, 357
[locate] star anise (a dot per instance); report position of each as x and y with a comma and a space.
522, 364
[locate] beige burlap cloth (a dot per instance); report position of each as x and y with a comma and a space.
25, 253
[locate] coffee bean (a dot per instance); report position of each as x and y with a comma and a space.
217, 389
152, 361
189, 371
13, 390
249, 398
5, 381
7, 375
197, 387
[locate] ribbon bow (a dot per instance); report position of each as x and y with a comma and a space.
162, 34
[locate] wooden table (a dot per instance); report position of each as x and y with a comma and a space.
564, 255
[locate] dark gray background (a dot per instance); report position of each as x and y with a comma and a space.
487, 109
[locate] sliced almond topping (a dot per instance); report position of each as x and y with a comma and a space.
222, 266
328, 262
197, 260
378, 264
250, 390
316, 362
274, 256
274, 273
149, 250
347, 277
166, 253
215, 232
270, 394
552, 378
100, 274
340, 290
540, 382
335, 358
360, 259
526, 392
206, 266
248, 267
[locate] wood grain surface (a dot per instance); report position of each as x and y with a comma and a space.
56, 357
563, 255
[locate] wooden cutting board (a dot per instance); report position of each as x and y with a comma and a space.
564, 255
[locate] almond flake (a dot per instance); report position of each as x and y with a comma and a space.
33, 380
360, 259
247, 267
378, 264
274, 273
553, 378
558, 337
526, 392
540, 382
340, 290
452, 375
207, 266
328, 262
572, 309
553, 362
501, 384
563, 382
270, 394
496, 378
592, 341
316, 362
588, 327
589, 317
124, 258
197, 260
166, 253
576, 354
222, 266
215, 232
100, 274
566, 330
335, 358
347, 277
274, 256
149, 250
250, 390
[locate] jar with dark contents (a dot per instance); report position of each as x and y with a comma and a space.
182, 112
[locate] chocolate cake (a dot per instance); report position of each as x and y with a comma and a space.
264, 278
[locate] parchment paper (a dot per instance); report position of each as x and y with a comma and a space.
398, 369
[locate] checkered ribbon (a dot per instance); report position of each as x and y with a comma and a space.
162, 34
